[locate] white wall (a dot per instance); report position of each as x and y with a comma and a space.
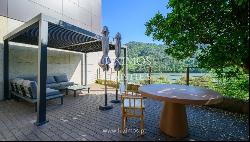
93, 60
83, 13
23, 62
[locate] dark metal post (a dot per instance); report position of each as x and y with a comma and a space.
6, 69
82, 69
125, 68
149, 75
116, 90
117, 85
42, 72
86, 70
187, 76
106, 106
105, 83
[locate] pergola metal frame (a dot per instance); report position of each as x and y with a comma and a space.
45, 31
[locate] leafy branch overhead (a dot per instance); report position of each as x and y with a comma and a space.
218, 29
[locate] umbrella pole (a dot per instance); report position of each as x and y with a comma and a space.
106, 106
116, 91
105, 83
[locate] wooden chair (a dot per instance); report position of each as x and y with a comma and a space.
132, 106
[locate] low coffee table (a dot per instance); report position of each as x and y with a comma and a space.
76, 88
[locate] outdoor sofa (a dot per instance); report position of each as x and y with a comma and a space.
58, 82
26, 88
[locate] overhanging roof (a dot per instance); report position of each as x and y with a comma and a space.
61, 35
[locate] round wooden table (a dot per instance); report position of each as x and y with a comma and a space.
173, 119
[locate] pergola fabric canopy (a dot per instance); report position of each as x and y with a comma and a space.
61, 35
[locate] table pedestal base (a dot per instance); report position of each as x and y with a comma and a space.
173, 120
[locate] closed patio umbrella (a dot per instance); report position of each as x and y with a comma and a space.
104, 63
117, 64
105, 60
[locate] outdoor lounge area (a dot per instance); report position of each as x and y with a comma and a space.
80, 119
45, 31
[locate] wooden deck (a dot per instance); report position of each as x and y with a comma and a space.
80, 119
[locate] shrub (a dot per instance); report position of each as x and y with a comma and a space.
161, 79
236, 87
109, 83
202, 81
182, 80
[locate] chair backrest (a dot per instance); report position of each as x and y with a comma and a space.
133, 89
134, 100
132, 105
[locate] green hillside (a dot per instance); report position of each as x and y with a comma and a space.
142, 55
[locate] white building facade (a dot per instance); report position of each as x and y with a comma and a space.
85, 14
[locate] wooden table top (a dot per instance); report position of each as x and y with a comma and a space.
181, 94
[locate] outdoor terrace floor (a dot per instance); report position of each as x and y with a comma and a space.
80, 119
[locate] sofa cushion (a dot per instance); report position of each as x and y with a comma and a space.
13, 84
53, 85
61, 78
30, 88
50, 80
26, 86
19, 85
18, 80
66, 84
51, 92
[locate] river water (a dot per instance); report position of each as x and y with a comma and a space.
172, 77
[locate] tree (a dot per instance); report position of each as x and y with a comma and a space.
218, 29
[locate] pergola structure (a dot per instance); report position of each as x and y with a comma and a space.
45, 32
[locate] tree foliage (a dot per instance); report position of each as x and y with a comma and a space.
217, 29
